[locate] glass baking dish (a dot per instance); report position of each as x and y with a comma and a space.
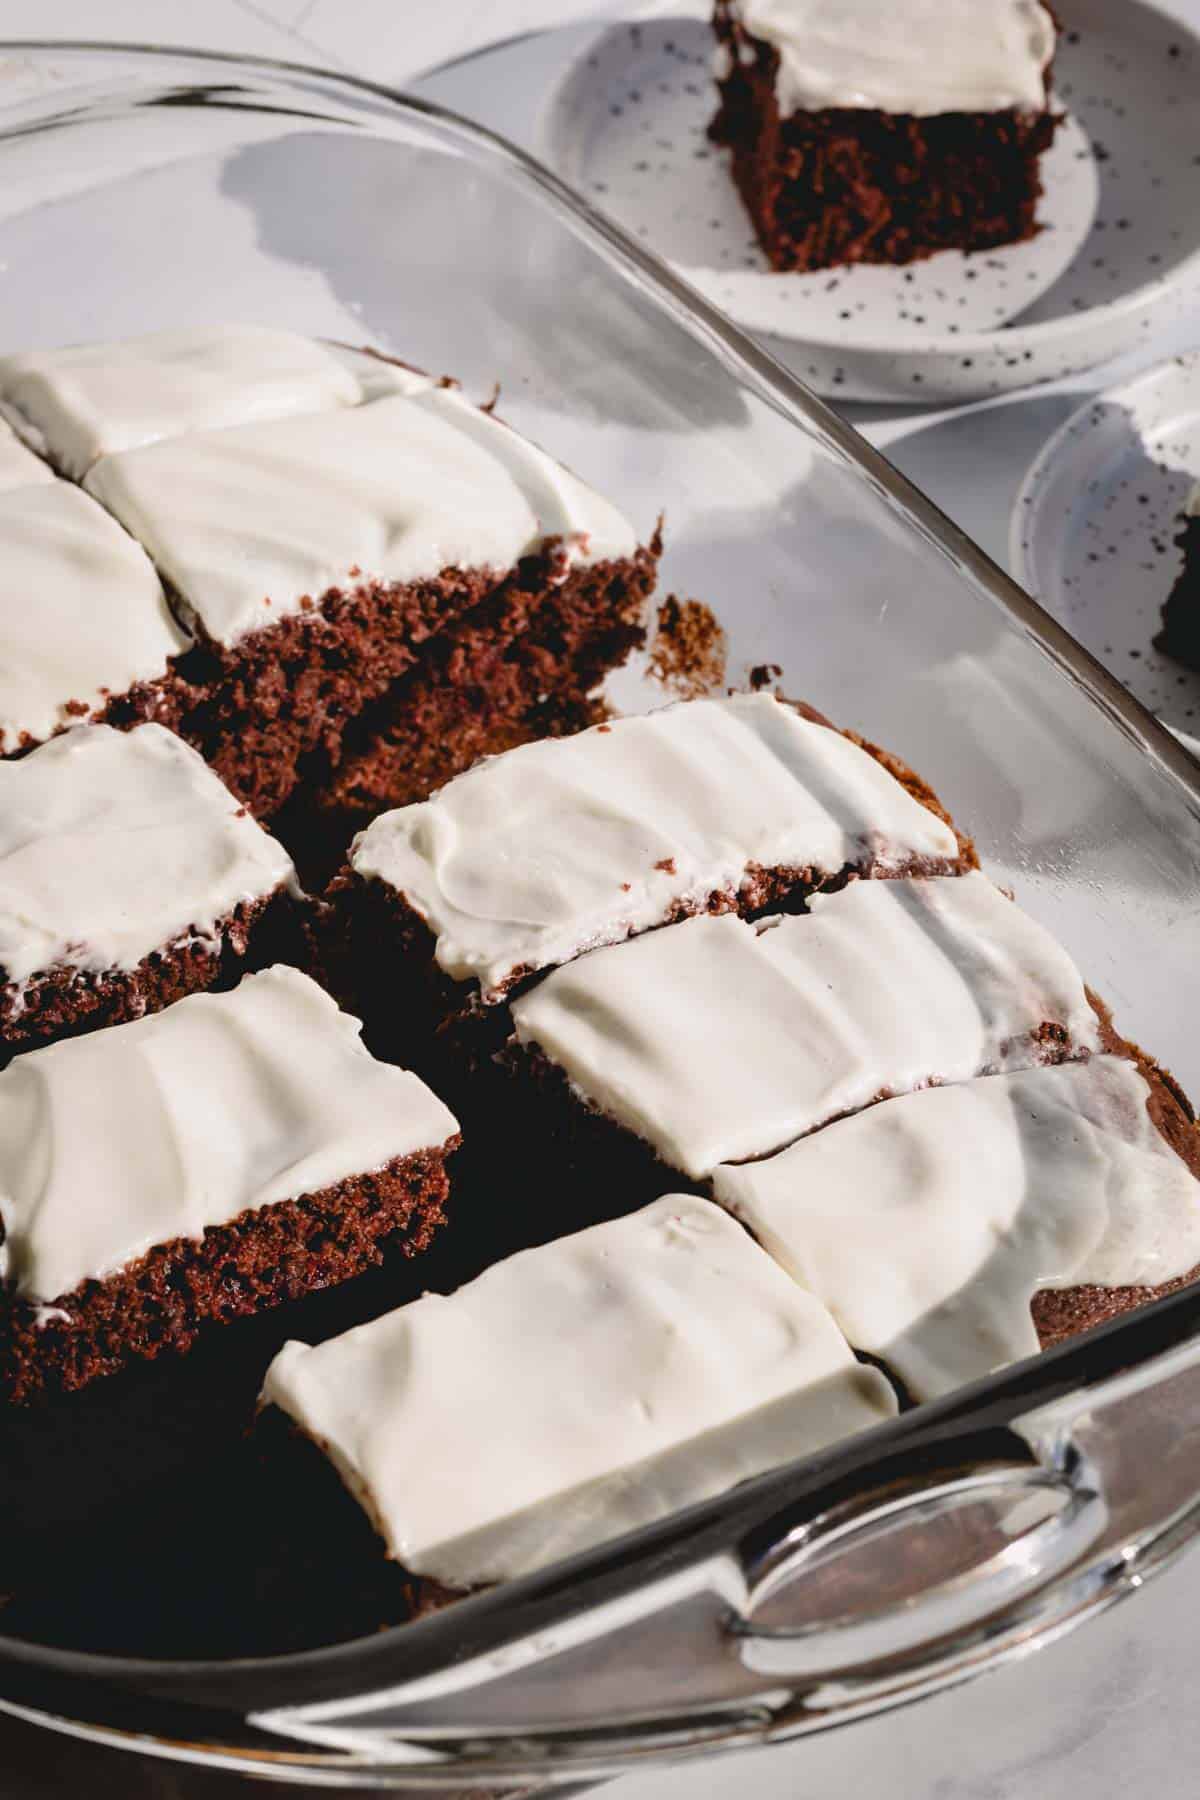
141, 189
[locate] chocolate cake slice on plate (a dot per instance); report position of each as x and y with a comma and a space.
1180, 634
868, 133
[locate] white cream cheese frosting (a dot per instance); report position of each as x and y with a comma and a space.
156, 1130
247, 523
19, 467
910, 56
85, 401
82, 612
928, 1223
716, 1040
570, 843
576, 1391
114, 844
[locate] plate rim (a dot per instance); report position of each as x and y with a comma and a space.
1143, 300
1021, 564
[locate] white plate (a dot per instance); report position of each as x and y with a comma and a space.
627, 126
1094, 525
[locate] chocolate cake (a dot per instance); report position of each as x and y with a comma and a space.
231, 1152
19, 468
311, 520
450, 905
718, 1040
85, 630
947, 1231
1180, 634
943, 1233
522, 666
868, 134
683, 1361
310, 559
129, 877
83, 401
722, 946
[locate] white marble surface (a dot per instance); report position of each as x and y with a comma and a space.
389, 40
1112, 1709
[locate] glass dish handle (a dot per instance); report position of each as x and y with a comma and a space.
1052, 1513
1110, 1495
947, 1610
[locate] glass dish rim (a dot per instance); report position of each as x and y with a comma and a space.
1001, 586
756, 365
684, 301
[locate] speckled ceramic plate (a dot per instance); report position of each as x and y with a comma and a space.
627, 125
1094, 525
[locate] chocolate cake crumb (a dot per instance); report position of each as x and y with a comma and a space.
1180, 634
762, 675
687, 654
